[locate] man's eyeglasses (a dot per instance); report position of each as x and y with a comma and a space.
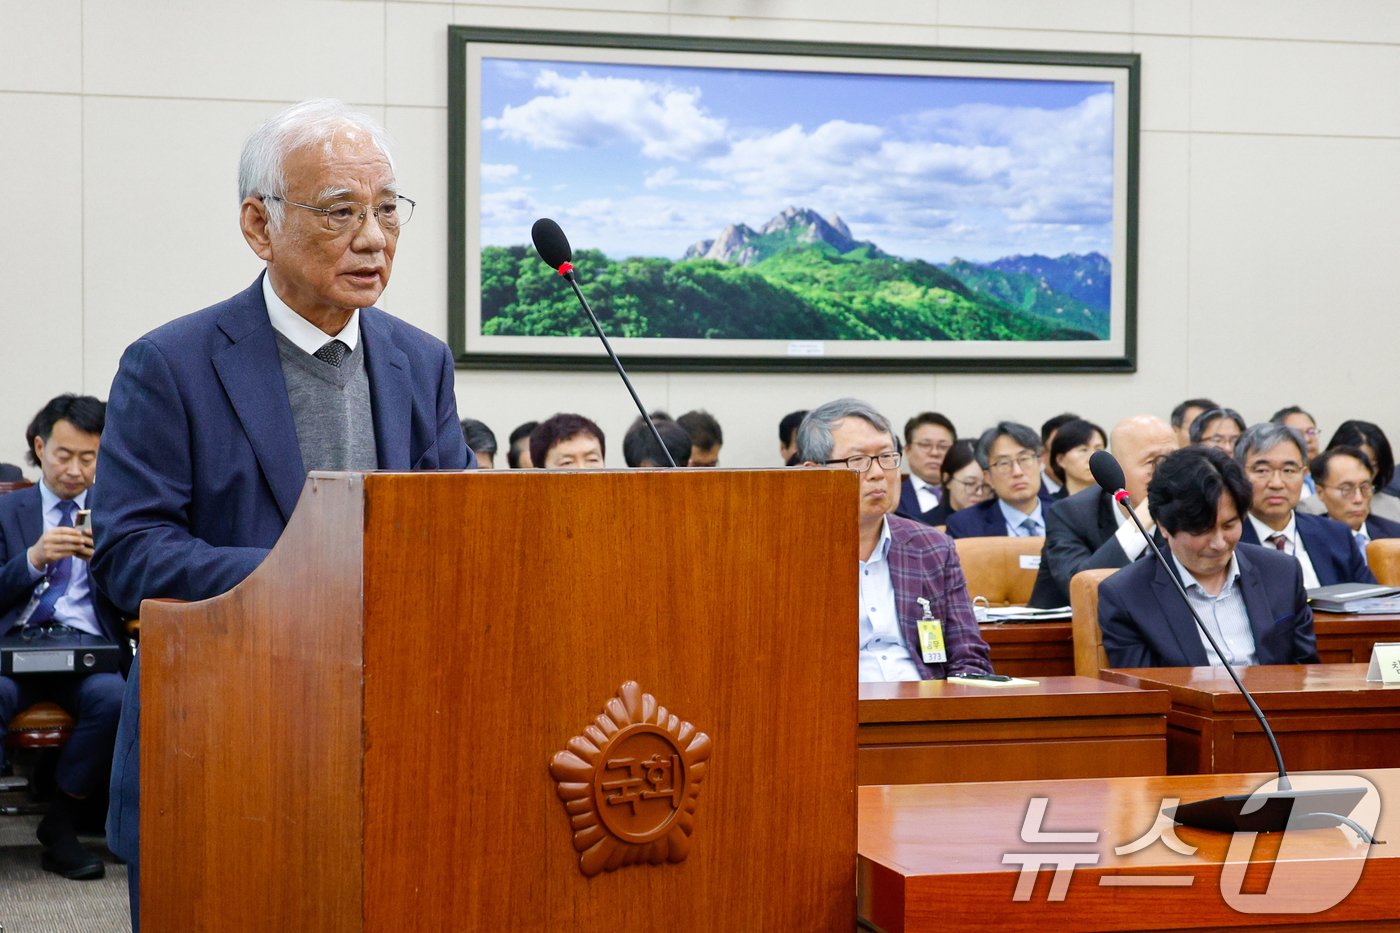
932, 447
1347, 490
1026, 461
391, 214
1262, 471
861, 462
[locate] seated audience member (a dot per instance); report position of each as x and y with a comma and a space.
787, 436
639, 447
928, 436
901, 561
45, 584
1009, 455
1219, 428
1370, 440
9, 473
1074, 443
1050, 485
1251, 597
567, 442
518, 454
706, 438
1184, 414
1089, 530
482, 441
1272, 457
963, 482
1302, 422
1344, 486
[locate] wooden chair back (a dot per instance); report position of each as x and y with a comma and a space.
1000, 569
1089, 656
1383, 554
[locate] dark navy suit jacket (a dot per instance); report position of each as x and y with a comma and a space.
21, 524
201, 468
985, 520
1335, 555
1377, 527
1146, 624
909, 505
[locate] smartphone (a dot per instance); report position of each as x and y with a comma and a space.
82, 520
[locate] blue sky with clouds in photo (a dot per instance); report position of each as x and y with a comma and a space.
646, 160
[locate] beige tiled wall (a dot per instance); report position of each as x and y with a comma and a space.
1268, 238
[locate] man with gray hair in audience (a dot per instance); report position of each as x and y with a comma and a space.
216, 418
916, 619
1009, 455
1274, 457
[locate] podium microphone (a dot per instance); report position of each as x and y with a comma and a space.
1269, 812
554, 249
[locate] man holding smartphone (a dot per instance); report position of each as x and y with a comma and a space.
45, 544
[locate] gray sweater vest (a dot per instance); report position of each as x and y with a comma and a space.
331, 408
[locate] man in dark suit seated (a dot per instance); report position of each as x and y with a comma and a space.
928, 436
1009, 455
1274, 458
1342, 476
1089, 530
1251, 598
909, 573
45, 588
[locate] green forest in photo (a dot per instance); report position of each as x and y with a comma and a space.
790, 283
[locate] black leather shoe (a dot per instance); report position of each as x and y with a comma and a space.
67, 857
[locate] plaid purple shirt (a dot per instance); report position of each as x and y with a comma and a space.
923, 562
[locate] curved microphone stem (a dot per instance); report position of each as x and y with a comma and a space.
598, 328
1283, 783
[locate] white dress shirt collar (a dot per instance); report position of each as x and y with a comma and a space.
299, 330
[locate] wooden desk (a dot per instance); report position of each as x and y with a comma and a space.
1347, 639
1046, 649
930, 858
933, 731
1325, 717
1030, 649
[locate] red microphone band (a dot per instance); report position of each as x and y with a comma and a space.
565, 268
1120, 496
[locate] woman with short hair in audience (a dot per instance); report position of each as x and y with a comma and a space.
1074, 443
963, 483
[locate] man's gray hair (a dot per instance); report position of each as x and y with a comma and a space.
261, 167
814, 441
1019, 433
1265, 436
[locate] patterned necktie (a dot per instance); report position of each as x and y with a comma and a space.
1278, 541
59, 572
1031, 527
332, 352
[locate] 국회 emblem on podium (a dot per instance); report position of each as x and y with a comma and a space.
630, 783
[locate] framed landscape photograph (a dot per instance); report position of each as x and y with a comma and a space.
746, 205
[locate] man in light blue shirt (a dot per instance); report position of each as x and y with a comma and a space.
45, 588
1009, 455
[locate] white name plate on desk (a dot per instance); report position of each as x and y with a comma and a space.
1385, 663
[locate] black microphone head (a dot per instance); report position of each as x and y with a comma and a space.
551, 243
1107, 472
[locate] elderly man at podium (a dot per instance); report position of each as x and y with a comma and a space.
216, 418
916, 619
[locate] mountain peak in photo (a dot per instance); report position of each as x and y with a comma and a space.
740, 245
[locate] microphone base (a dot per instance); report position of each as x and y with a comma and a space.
1269, 812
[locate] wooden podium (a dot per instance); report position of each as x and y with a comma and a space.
359, 736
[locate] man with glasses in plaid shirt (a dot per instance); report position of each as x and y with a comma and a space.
911, 584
